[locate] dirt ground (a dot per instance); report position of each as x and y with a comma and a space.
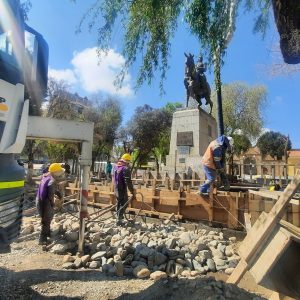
27, 272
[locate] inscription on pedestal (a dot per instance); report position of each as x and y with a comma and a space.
185, 138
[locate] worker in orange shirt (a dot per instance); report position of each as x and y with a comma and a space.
214, 161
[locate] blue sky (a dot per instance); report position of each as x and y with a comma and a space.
72, 57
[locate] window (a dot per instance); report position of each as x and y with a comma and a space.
5, 43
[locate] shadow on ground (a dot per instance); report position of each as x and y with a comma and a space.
191, 289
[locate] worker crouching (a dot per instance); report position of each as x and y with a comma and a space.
48, 188
122, 181
214, 161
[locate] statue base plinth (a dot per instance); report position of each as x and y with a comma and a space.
192, 131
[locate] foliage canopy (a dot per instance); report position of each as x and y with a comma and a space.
274, 143
243, 108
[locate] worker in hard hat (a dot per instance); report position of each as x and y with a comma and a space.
214, 161
48, 188
122, 182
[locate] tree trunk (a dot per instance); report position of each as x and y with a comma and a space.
30, 150
217, 69
134, 162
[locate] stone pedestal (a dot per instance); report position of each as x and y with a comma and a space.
192, 131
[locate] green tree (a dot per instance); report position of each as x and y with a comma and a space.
150, 27
241, 143
162, 148
274, 143
61, 152
145, 128
243, 108
107, 117
61, 104
34, 148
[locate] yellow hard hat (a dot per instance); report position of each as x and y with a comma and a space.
55, 167
126, 157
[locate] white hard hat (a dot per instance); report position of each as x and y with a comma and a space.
231, 141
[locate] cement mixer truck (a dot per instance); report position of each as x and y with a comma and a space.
23, 83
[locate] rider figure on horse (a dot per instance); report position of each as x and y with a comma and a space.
195, 81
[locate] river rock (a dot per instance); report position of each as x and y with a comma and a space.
211, 265
78, 263
171, 243
233, 262
157, 275
112, 270
71, 236
68, 258
68, 265
228, 251
220, 262
136, 263
159, 258
97, 256
185, 238
85, 259
119, 268
59, 248
141, 272
94, 264
128, 271
178, 269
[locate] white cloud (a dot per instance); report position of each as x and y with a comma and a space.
94, 74
66, 75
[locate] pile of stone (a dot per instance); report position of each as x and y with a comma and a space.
144, 250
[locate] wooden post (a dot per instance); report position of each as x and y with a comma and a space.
167, 183
211, 204
188, 188
193, 178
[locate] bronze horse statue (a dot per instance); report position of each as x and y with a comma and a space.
195, 82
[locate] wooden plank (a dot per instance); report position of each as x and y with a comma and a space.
270, 194
273, 248
254, 237
238, 272
291, 228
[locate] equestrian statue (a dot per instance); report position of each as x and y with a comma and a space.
195, 81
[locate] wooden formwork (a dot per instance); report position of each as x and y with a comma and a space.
222, 208
263, 201
271, 248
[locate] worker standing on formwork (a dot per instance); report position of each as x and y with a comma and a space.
48, 188
214, 161
122, 181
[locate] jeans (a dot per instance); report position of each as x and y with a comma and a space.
210, 175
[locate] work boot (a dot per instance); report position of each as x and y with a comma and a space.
43, 240
120, 222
